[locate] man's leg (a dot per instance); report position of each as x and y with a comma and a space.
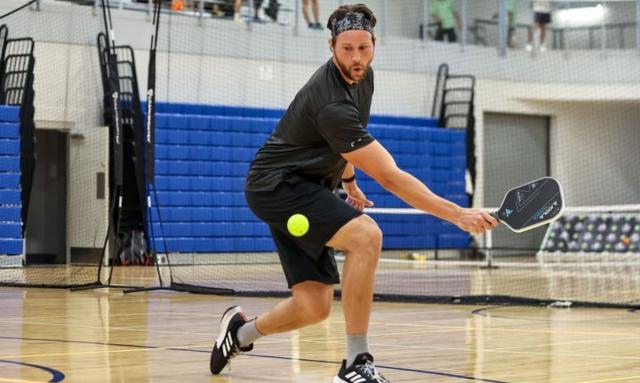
305, 11
451, 35
236, 10
543, 33
316, 11
310, 303
361, 240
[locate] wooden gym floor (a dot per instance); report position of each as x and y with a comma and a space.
104, 336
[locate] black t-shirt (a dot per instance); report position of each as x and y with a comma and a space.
326, 118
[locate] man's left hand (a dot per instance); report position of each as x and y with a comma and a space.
355, 196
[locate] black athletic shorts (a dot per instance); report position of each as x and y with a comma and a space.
542, 18
304, 258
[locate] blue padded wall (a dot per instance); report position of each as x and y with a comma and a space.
202, 158
10, 202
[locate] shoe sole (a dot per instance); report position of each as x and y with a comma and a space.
337, 379
224, 322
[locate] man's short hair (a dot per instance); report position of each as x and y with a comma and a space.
347, 10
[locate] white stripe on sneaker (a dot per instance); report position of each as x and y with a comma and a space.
224, 323
351, 374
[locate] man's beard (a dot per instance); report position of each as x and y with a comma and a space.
348, 72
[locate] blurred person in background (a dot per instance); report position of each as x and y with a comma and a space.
445, 14
315, 24
541, 17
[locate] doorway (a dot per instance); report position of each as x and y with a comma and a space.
46, 236
516, 151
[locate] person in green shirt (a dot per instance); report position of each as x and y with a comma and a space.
445, 14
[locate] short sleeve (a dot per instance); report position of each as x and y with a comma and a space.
339, 124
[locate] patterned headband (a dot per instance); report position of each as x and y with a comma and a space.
350, 22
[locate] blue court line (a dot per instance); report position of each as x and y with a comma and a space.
425, 372
56, 376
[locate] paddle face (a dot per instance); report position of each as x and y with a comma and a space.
531, 205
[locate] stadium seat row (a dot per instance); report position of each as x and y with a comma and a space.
412, 133
9, 181
244, 214
223, 110
194, 152
189, 184
227, 124
9, 113
197, 137
236, 183
10, 164
168, 136
231, 168
440, 188
202, 153
258, 229
10, 230
10, 130
204, 199
212, 229
214, 245
9, 147
10, 246
257, 244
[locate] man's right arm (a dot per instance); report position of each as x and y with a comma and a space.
376, 162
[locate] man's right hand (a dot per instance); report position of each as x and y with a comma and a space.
475, 221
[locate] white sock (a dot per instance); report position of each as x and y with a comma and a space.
248, 333
356, 345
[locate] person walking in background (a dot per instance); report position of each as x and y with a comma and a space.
315, 9
445, 14
237, 4
541, 17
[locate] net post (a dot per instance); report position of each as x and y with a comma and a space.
488, 244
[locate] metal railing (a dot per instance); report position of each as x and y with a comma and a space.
477, 30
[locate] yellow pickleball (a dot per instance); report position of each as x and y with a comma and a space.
298, 225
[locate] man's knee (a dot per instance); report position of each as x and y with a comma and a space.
365, 237
313, 301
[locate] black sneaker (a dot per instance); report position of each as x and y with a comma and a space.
361, 371
227, 345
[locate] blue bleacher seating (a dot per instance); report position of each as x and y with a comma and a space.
203, 153
11, 241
